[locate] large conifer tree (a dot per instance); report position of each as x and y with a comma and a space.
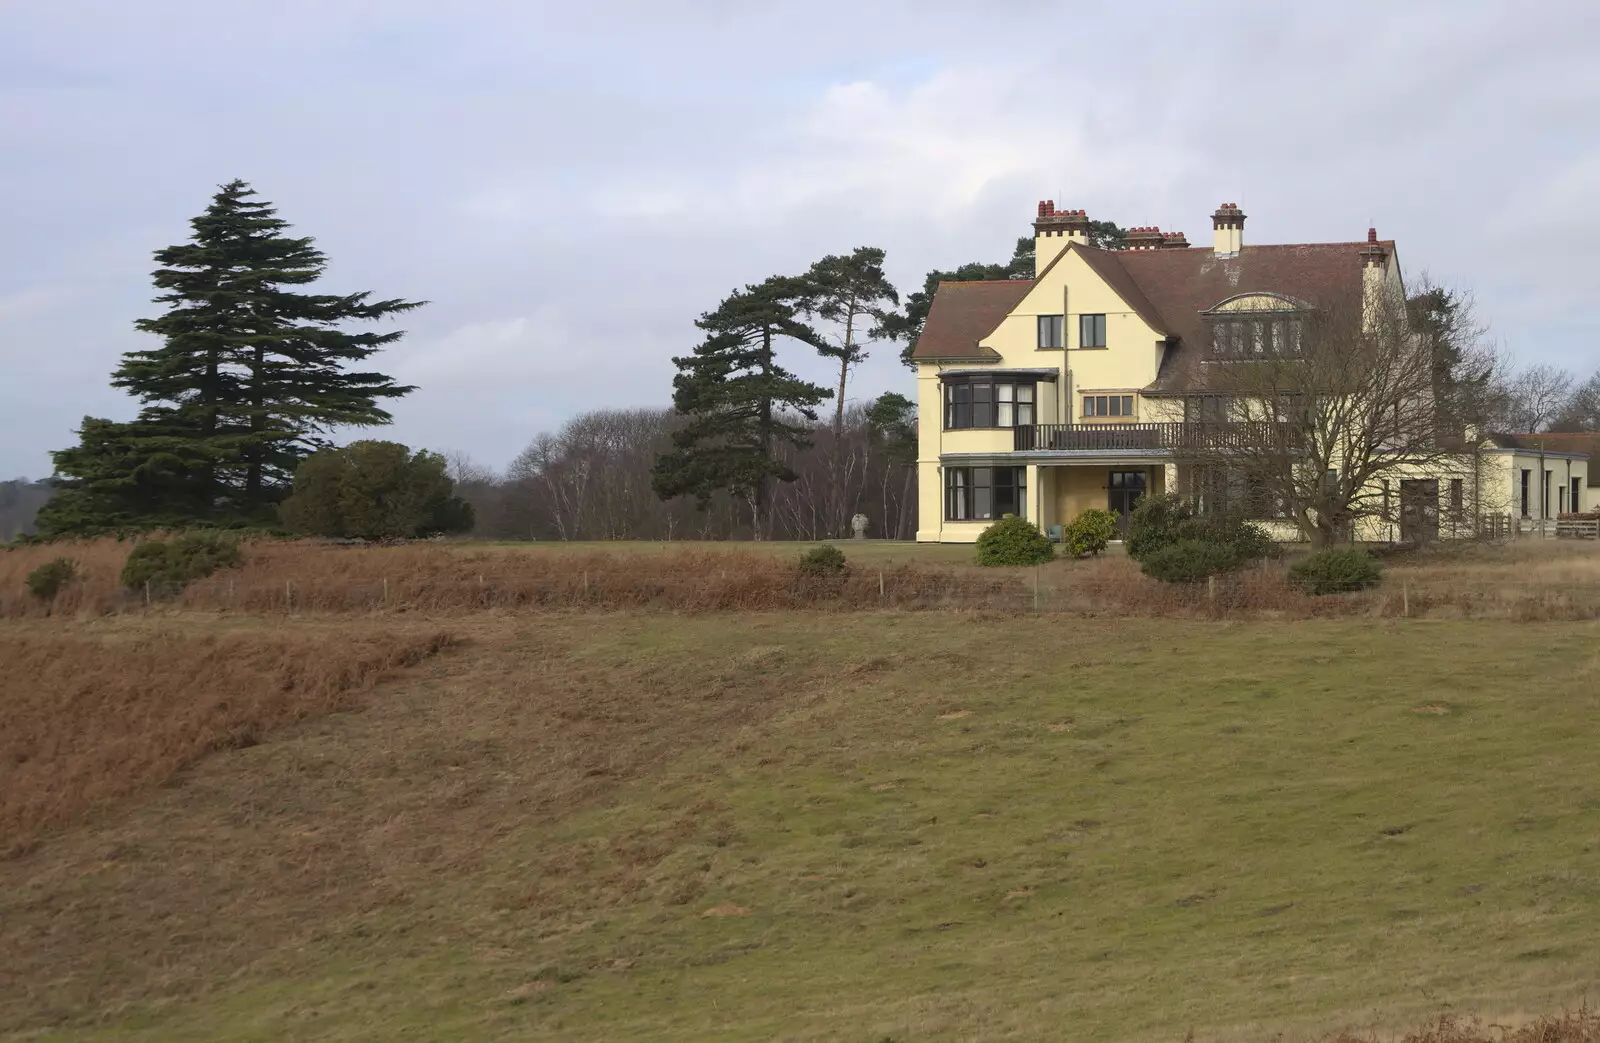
739, 404
249, 377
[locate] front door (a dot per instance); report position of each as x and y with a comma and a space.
1419, 510
1124, 487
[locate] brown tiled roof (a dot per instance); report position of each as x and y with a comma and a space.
964, 312
1170, 289
1182, 284
1556, 442
1107, 264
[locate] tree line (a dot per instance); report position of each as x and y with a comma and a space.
591, 479
255, 374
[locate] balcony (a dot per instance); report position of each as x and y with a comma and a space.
1152, 438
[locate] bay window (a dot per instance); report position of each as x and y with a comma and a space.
985, 493
988, 402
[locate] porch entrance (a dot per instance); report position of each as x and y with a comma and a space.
1419, 510
1123, 488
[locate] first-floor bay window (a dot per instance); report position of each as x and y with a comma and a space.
988, 403
985, 493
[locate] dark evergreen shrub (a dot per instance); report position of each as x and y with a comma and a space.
165, 567
1014, 541
46, 581
1336, 571
1190, 561
826, 560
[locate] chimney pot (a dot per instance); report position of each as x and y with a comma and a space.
1372, 235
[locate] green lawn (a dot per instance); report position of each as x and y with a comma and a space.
957, 828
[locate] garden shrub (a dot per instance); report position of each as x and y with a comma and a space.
826, 560
1335, 571
46, 581
1190, 561
1158, 522
165, 567
1014, 541
1090, 532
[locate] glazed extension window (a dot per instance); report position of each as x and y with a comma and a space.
984, 493
1108, 405
988, 403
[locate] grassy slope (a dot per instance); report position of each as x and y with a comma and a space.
936, 827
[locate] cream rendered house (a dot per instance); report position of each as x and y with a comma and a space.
1077, 388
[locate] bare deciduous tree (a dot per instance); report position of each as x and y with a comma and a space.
1581, 412
1536, 396
590, 480
1325, 428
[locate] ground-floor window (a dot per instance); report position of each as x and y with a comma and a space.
1458, 496
1576, 503
1233, 491
1523, 499
985, 493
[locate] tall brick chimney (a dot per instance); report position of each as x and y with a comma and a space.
1053, 230
1227, 226
1145, 237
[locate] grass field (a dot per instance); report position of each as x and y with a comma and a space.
843, 826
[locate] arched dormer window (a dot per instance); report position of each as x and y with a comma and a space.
1256, 325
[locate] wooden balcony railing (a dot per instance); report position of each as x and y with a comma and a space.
1169, 437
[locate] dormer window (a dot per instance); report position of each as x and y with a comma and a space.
1242, 336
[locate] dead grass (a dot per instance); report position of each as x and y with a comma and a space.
308, 577
262, 850
91, 716
1574, 1026
581, 826
1530, 580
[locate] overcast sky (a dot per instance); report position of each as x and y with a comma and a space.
570, 185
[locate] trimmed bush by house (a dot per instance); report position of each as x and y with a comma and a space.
1090, 532
46, 581
1190, 561
826, 560
1014, 541
1165, 534
1336, 571
165, 567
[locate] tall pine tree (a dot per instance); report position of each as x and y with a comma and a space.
249, 378
739, 405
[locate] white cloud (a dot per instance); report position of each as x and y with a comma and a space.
572, 185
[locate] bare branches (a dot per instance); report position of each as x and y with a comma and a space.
1537, 396
590, 480
1362, 400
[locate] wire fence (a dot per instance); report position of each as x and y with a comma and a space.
1523, 580
1258, 593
